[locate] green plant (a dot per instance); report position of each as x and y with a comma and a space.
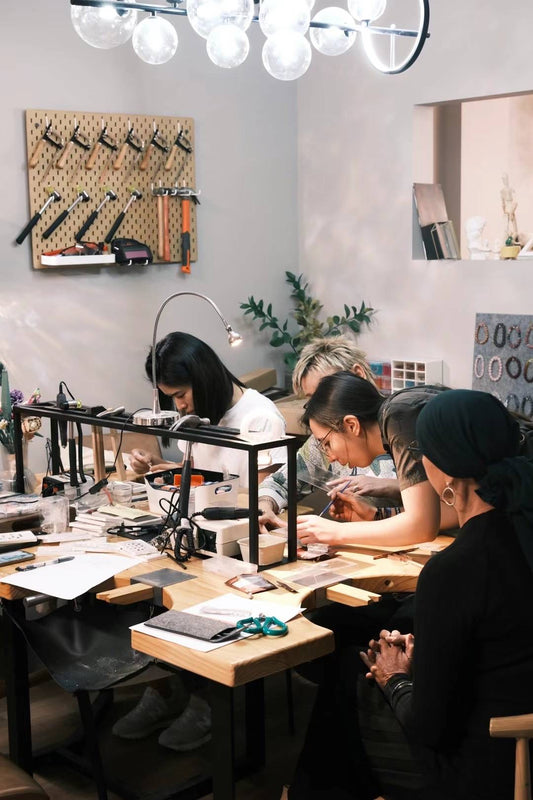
306, 314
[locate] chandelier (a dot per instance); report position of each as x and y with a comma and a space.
286, 52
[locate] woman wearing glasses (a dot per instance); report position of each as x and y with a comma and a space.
354, 424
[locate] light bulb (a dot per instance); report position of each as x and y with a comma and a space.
332, 41
103, 27
227, 46
286, 55
310, 4
205, 15
366, 10
282, 15
155, 40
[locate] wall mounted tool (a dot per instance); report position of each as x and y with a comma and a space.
82, 197
104, 140
77, 139
53, 198
163, 228
49, 137
132, 141
135, 195
109, 195
156, 142
181, 143
186, 194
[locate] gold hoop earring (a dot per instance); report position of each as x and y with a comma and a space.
448, 500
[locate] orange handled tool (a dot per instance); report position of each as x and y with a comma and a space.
186, 234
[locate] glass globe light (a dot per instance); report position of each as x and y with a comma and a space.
204, 15
284, 15
366, 10
103, 27
155, 40
286, 55
332, 41
310, 4
227, 45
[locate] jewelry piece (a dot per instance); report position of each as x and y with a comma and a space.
515, 400
500, 335
497, 360
479, 366
517, 368
527, 365
517, 341
448, 500
527, 338
483, 328
527, 402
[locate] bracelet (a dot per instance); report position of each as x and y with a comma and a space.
515, 400
479, 366
500, 335
527, 365
483, 328
517, 368
517, 340
497, 360
527, 337
527, 401
400, 685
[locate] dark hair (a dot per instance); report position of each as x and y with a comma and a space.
183, 360
341, 394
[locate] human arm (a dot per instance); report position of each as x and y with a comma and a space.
367, 485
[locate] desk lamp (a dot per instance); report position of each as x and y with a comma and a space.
156, 417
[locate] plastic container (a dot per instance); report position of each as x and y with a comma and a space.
270, 549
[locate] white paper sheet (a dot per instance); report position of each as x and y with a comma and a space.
227, 607
72, 578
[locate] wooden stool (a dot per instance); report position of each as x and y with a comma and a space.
18, 785
520, 728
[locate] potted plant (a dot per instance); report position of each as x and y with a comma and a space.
306, 315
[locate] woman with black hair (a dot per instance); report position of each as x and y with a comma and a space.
192, 378
353, 424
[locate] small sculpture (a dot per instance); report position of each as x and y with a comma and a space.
509, 205
478, 248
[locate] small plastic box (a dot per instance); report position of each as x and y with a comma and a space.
270, 549
215, 491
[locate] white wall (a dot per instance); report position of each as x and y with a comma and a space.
92, 327
355, 177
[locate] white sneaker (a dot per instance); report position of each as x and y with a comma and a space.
153, 711
191, 729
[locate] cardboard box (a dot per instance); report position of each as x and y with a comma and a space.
292, 409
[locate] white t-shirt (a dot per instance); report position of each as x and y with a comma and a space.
224, 459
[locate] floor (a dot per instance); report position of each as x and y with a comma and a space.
144, 767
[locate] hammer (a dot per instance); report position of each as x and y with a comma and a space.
48, 136
109, 195
103, 141
131, 141
77, 138
156, 141
82, 197
135, 195
181, 143
54, 197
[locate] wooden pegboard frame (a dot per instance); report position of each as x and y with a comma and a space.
141, 220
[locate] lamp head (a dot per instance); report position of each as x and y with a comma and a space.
234, 338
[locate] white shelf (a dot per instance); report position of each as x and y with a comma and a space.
414, 372
72, 261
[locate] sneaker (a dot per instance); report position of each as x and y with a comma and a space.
191, 729
151, 713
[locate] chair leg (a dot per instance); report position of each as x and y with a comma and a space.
522, 790
290, 700
91, 740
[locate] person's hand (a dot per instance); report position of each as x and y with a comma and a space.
141, 461
347, 508
366, 485
389, 655
311, 529
268, 520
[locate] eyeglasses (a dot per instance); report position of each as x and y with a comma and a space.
322, 443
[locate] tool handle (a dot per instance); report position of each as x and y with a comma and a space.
121, 156
61, 161
185, 235
91, 161
160, 231
146, 158
35, 156
114, 228
166, 231
29, 227
171, 157
55, 224
86, 225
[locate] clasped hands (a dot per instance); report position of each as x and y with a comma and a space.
389, 655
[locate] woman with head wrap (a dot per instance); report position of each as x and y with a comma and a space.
473, 657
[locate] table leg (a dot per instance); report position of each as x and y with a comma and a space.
17, 690
223, 741
255, 723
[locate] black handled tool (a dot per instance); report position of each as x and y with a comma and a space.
54, 197
82, 197
49, 137
135, 195
109, 195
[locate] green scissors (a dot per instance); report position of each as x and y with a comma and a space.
267, 626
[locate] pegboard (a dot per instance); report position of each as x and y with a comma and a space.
141, 219
503, 359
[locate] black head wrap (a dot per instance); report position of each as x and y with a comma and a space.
469, 434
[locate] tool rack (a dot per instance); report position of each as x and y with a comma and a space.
141, 220
202, 435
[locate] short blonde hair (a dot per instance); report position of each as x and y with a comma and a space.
327, 355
